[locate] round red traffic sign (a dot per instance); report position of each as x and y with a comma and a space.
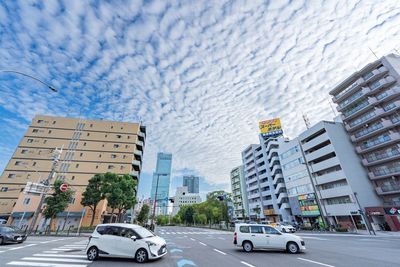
63, 187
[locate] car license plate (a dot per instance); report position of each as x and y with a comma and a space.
19, 238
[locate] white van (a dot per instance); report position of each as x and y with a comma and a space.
257, 236
125, 240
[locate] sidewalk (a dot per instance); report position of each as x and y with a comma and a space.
358, 233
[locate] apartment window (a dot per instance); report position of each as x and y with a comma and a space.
124, 156
113, 156
126, 146
84, 144
102, 145
77, 165
24, 151
35, 131
122, 128
81, 154
338, 200
119, 136
116, 146
91, 125
105, 135
110, 167
73, 178
88, 134
44, 141
19, 163
4, 189
11, 175
112, 127
290, 152
49, 131
29, 141
129, 137
99, 155
40, 121
97, 166
334, 185
34, 163
27, 200
293, 163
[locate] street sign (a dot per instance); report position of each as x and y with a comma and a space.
63, 187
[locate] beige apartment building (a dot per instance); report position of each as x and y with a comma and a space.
88, 147
369, 103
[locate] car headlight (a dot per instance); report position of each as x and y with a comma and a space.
149, 243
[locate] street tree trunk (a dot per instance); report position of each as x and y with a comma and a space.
93, 215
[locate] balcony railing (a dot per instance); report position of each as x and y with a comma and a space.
380, 155
387, 169
392, 203
349, 89
368, 130
360, 106
390, 188
376, 141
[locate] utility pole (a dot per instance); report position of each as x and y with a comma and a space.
56, 157
363, 216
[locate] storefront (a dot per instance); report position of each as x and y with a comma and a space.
384, 218
305, 210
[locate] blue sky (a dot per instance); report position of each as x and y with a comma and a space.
199, 74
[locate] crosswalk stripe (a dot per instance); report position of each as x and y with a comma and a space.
61, 249
56, 260
60, 255
49, 251
43, 264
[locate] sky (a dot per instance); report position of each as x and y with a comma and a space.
199, 74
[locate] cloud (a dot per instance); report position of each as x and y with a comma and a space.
199, 74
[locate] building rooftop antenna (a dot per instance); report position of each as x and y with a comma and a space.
306, 121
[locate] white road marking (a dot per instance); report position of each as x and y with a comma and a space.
316, 262
311, 237
219, 251
43, 264
30, 245
248, 264
221, 238
56, 260
60, 255
55, 240
192, 239
61, 249
50, 251
203, 244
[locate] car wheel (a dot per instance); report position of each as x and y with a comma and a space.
92, 254
1, 241
292, 248
247, 246
141, 255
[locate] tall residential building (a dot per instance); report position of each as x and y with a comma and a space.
183, 197
340, 180
301, 194
89, 147
192, 183
369, 101
161, 181
239, 193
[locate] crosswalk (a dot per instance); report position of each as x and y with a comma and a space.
195, 233
72, 255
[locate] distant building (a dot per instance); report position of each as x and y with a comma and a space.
161, 182
89, 147
369, 103
183, 198
192, 183
239, 193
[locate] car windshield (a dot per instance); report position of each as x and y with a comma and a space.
7, 229
143, 232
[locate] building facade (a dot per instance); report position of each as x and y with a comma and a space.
369, 103
239, 193
192, 183
339, 178
88, 147
161, 182
183, 198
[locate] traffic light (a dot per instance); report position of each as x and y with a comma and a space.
221, 198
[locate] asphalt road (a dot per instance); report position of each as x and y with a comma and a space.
209, 248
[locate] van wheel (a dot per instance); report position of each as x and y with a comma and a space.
92, 254
141, 255
292, 248
247, 246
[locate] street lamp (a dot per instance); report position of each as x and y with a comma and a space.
155, 199
29, 76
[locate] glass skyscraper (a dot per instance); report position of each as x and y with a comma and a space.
164, 162
192, 183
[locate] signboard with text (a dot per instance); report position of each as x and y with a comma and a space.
270, 128
308, 204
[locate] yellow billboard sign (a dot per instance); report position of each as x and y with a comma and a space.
271, 127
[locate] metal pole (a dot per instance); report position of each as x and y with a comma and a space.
155, 203
313, 186
29, 76
80, 222
363, 216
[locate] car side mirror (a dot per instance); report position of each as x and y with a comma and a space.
133, 238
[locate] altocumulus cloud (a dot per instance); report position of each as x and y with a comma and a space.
199, 74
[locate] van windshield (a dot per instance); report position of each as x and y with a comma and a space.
143, 232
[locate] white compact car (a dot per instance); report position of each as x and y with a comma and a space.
125, 240
256, 236
284, 228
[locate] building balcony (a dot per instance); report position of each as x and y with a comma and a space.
272, 145
272, 152
381, 84
277, 177
261, 168
330, 177
251, 172
264, 184
335, 192
141, 134
282, 196
262, 176
353, 98
274, 161
276, 168
390, 154
359, 109
260, 160
341, 209
391, 203
267, 202
388, 190
138, 153
248, 160
279, 186
316, 141
320, 152
371, 130
378, 143
285, 205
348, 91
253, 187
371, 116
136, 163
384, 173
254, 195
329, 163
375, 74
266, 193
139, 143
134, 174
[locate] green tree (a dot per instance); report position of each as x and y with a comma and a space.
57, 202
143, 215
189, 213
176, 219
162, 220
93, 194
201, 218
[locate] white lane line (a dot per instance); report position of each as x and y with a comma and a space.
219, 251
248, 264
221, 238
60, 255
61, 249
316, 262
49, 251
43, 264
192, 239
167, 233
203, 244
55, 240
316, 238
56, 260
30, 245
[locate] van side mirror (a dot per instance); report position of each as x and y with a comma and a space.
133, 238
